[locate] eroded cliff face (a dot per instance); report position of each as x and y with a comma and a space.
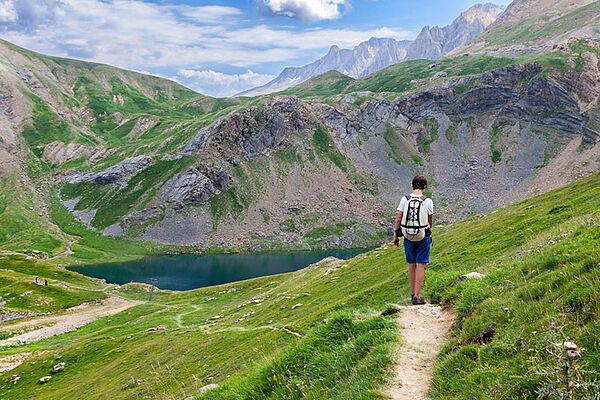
278, 172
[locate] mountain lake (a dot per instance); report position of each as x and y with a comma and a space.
192, 271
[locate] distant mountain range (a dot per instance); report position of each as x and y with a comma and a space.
378, 53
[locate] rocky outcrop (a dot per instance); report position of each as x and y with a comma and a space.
241, 136
60, 153
189, 187
118, 174
141, 126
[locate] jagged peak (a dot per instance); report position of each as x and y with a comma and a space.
485, 13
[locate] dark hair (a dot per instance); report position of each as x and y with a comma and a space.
419, 182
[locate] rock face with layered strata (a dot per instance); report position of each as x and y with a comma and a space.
118, 173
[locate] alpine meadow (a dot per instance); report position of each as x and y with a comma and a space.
499, 110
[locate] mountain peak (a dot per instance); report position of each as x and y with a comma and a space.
485, 13
377, 53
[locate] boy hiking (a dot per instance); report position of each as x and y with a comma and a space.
414, 222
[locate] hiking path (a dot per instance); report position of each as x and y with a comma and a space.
423, 330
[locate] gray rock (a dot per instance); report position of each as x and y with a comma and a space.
188, 187
120, 172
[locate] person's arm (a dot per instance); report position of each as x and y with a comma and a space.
430, 221
396, 227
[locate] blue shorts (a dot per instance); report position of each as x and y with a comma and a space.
417, 252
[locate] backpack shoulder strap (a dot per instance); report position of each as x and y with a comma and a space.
407, 197
423, 198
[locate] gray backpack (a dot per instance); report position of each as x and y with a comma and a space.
415, 218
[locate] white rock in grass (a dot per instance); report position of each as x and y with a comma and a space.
296, 305
59, 367
472, 275
45, 379
208, 387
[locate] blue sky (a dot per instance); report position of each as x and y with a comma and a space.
216, 47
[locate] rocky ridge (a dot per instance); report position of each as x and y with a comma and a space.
493, 131
378, 53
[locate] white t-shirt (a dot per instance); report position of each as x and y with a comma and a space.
428, 203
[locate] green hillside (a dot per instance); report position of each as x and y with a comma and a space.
410, 76
539, 29
259, 338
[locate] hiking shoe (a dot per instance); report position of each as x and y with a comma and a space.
413, 299
419, 300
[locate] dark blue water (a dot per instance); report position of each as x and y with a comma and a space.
191, 272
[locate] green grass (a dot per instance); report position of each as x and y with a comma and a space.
65, 289
497, 143
327, 84
539, 28
46, 126
328, 230
21, 226
325, 146
112, 203
390, 137
428, 135
452, 135
536, 260
90, 246
342, 359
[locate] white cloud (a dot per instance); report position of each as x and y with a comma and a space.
219, 84
164, 38
8, 13
305, 10
139, 35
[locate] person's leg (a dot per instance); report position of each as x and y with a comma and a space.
419, 278
411, 277
409, 251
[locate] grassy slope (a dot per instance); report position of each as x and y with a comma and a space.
179, 113
538, 29
527, 271
408, 77
65, 289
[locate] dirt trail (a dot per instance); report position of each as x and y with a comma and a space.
423, 329
74, 318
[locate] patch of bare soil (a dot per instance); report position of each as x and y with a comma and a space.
74, 318
14, 360
423, 329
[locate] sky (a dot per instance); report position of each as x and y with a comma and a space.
215, 47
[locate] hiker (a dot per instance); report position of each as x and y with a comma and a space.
414, 222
